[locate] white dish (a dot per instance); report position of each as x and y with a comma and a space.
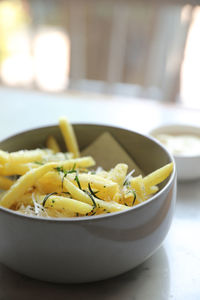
188, 165
85, 249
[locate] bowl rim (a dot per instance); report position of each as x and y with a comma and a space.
87, 219
180, 130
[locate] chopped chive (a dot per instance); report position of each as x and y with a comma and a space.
91, 197
126, 181
59, 169
62, 182
134, 194
38, 163
47, 196
66, 172
77, 180
92, 192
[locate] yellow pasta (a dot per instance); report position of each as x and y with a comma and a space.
28, 180
50, 183
10, 169
60, 203
84, 197
69, 136
52, 144
158, 176
4, 157
137, 184
5, 183
118, 174
106, 189
150, 190
22, 156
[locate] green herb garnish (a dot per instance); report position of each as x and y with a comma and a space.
134, 194
91, 197
38, 163
77, 180
59, 169
92, 192
47, 196
127, 179
66, 172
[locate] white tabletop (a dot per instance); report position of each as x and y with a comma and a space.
173, 272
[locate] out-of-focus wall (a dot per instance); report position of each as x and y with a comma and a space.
134, 48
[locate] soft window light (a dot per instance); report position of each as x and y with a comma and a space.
51, 59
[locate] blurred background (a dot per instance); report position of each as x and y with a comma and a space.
143, 49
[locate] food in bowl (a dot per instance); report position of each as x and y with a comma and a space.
51, 183
90, 248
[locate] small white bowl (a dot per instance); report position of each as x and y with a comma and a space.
188, 165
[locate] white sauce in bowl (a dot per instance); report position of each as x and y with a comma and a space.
185, 144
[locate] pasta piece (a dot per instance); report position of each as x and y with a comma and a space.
158, 176
49, 182
25, 156
104, 188
10, 169
69, 136
82, 162
26, 181
151, 190
52, 144
5, 183
59, 202
137, 185
25, 200
118, 174
4, 157
84, 197
129, 198
30, 178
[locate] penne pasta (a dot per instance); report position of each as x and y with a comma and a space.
69, 136
50, 183
52, 144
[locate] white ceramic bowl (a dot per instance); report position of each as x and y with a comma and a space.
188, 166
89, 248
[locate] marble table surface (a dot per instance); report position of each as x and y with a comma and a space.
173, 272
